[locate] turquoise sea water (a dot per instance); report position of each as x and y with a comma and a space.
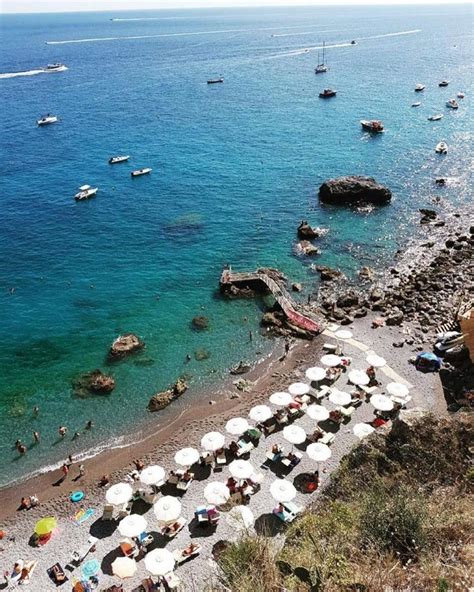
235, 167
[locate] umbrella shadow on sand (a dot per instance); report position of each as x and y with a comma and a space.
197, 530
140, 507
268, 525
102, 529
159, 541
106, 565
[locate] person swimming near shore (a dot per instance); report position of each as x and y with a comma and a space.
36, 437
62, 431
36, 411
89, 425
76, 435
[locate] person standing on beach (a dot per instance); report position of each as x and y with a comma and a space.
65, 470
82, 471
22, 449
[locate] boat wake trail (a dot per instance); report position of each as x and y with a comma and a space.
31, 72
393, 34
158, 35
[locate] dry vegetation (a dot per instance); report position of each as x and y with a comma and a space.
396, 517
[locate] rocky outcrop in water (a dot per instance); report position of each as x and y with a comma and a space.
307, 232
200, 323
306, 248
125, 345
95, 382
353, 190
163, 399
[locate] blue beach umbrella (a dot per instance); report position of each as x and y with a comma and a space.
90, 568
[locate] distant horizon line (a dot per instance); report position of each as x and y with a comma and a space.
323, 4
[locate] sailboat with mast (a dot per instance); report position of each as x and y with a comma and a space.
321, 67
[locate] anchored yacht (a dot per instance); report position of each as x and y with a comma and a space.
85, 192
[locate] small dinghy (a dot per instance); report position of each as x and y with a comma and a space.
375, 126
441, 148
460, 95
140, 172
420, 88
452, 104
85, 192
215, 81
435, 117
415, 104
443, 83
47, 120
117, 159
327, 93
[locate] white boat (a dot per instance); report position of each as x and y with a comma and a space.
460, 95
452, 104
419, 87
435, 117
441, 148
415, 104
47, 120
55, 68
117, 159
140, 172
85, 192
374, 125
321, 67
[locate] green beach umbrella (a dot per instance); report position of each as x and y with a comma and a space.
45, 525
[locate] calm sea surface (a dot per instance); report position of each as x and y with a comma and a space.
235, 167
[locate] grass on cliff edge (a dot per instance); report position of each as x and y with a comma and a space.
397, 516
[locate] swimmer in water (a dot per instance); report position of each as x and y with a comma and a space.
62, 431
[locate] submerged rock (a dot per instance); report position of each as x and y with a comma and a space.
202, 354
354, 189
124, 345
163, 399
200, 323
304, 247
241, 368
93, 382
328, 274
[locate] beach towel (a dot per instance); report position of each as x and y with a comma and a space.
83, 515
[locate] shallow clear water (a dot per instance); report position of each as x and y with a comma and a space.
235, 167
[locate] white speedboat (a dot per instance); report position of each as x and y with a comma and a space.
443, 83
215, 81
460, 95
85, 192
452, 104
47, 120
117, 159
416, 104
321, 67
140, 172
441, 148
55, 68
420, 88
435, 117
327, 93
374, 125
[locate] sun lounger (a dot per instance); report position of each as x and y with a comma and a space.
281, 419
79, 555
172, 530
172, 581
328, 438
283, 515
221, 459
324, 390
108, 513
274, 456
125, 510
292, 508
180, 557
288, 463
347, 411
57, 575
244, 447
128, 547
329, 347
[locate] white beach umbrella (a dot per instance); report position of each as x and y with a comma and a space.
281, 398
317, 412
152, 475
358, 377
237, 426
331, 360
282, 490
362, 430
132, 526
401, 400
119, 494
124, 567
381, 402
240, 518
294, 434
186, 457
216, 493
241, 469
376, 361
212, 441
318, 452
298, 388
260, 413
339, 397
167, 509
397, 389
343, 334
159, 562
315, 374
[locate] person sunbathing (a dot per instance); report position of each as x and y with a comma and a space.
232, 484
276, 449
189, 550
25, 503
139, 464
171, 528
187, 476
104, 480
335, 416
233, 448
294, 460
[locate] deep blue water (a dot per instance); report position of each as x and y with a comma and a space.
235, 167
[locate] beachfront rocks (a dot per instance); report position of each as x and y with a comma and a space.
394, 318
296, 287
306, 232
328, 274
350, 298
427, 216
366, 273
277, 324
304, 247
200, 323
124, 345
241, 368
93, 382
163, 399
354, 189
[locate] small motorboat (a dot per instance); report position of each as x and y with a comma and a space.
47, 120
435, 117
460, 95
327, 93
420, 88
374, 125
443, 83
140, 172
117, 159
452, 104
440, 181
85, 192
441, 148
416, 104
353, 42
57, 66
215, 81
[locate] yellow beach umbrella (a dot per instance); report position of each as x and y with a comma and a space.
45, 525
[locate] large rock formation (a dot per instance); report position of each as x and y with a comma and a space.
93, 382
163, 399
124, 345
354, 189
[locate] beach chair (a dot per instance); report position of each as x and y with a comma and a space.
283, 515
128, 548
184, 485
347, 411
171, 530
244, 447
172, 581
124, 511
108, 513
328, 438
221, 459
288, 463
292, 508
179, 557
79, 555
173, 479
145, 539
329, 347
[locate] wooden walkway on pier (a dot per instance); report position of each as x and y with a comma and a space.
279, 292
